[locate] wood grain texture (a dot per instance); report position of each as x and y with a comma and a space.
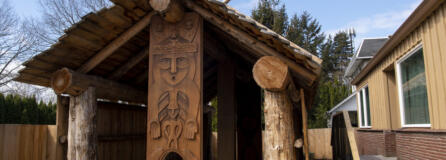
27, 142
303, 107
115, 44
271, 73
175, 88
82, 134
62, 126
75, 83
319, 141
279, 129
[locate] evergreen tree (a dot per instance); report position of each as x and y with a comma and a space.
2, 108
329, 94
305, 31
15, 109
271, 15
335, 53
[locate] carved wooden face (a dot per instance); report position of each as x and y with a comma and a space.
174, 67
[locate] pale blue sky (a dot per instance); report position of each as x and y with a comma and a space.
370, 18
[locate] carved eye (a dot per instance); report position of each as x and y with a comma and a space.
182, 62
164, 63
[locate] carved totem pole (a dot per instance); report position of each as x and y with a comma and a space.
175, 89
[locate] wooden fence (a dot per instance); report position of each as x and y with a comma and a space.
38, 142
319, 143
121, 135
27, 142
343, 137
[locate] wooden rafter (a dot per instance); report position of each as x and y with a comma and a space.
251, 42
115, 44
129, 65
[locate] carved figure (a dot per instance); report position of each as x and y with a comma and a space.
174, 86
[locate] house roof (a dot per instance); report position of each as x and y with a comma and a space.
424, 10
341, 103
370, 46
95, 31
367, 49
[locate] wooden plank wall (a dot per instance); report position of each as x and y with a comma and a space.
27, 142
432, 35
121, 132
319, 143
121, 135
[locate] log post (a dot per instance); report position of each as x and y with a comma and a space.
74, 83
171, 10
304, 125
272, 75
62, 126
226, 112
82, 136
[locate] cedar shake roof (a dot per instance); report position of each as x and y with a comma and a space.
95, 31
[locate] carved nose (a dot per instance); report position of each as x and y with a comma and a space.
173, 67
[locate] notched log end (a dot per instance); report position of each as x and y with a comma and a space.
61, 80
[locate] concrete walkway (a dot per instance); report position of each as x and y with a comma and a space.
376, 157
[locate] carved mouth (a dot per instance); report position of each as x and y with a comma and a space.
173, 77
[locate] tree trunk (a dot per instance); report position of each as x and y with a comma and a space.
82, 135
271, 74
279, 130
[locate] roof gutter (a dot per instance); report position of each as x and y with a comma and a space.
414, 20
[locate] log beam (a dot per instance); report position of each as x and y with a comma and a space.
115, 44
82, 135
253, 44
271, 74
129, 65
73, 83
170, 10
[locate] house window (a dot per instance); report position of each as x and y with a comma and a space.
412, 90
364, 107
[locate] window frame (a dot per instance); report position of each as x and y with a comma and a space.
361, 107
400, 89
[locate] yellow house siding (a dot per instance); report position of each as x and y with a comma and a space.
432, 35
435, 59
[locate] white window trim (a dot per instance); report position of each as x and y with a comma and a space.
360, 107
400, 90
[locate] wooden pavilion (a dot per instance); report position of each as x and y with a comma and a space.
134, 81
